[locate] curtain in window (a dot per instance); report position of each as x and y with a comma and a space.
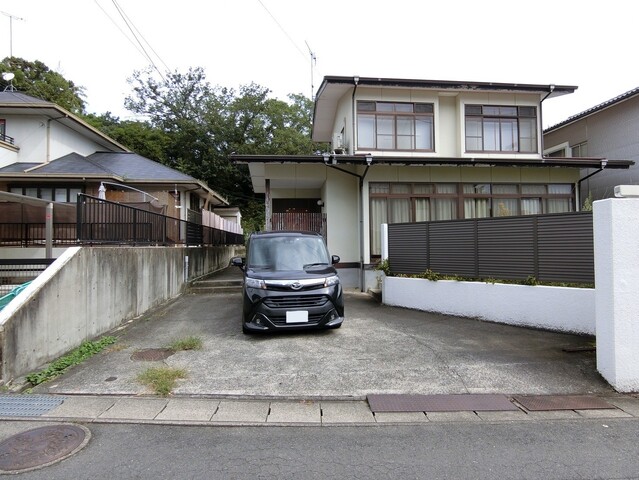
559, 205
399, 210
445, 209
424, 133
530, 206
476, 208
422, 209
378, 215
505, 207
366, 131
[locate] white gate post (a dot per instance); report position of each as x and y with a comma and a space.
384, 240
616, 239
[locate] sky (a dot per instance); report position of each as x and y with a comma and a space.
591, 45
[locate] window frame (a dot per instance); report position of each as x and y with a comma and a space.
394, 114
497, 121
50, 188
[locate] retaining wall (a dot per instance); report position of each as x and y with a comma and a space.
552, 308
88, 291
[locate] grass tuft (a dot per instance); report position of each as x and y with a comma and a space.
161, 379
188, 343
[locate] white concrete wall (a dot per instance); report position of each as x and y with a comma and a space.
89, 291
616, 229
553, 308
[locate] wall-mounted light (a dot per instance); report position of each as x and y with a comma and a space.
327, 157
320, 202
369, 159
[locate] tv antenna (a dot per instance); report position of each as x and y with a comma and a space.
11, 18
313, 63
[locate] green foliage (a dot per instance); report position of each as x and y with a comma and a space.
587, 206
59, 366
384, 266
37, 80
531, 280
162, 379
188, 343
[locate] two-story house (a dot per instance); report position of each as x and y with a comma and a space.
606, 130
418, 150
49, 153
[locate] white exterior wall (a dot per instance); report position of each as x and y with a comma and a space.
616, 228
30, 133
342, 222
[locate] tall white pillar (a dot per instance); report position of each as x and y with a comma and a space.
616, 237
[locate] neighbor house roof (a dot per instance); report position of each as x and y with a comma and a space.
16, 103
333, 89
129, 168
597, 108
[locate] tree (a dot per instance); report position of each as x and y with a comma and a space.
37, 80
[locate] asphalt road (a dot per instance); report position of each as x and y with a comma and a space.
379, 349
585, 449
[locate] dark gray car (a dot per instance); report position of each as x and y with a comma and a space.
290, 283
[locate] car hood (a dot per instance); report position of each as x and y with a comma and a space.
319, 271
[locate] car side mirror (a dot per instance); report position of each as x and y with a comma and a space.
238, 262
335, 259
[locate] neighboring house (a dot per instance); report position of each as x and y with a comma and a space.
607, 130
417, 150
49, 153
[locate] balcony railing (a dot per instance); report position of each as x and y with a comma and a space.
311, 222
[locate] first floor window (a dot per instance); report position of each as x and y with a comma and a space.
421, 202
55, 194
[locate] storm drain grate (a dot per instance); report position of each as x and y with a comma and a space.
439, 403
561, 402
27, 405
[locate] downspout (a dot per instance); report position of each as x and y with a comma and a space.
600, 169
361, 190
551, 88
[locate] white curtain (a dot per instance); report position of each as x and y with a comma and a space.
422, 209
476, 207
378, 215
530, 206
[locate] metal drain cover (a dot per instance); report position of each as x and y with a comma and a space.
535, 403
41, 447
152, 354
27, 405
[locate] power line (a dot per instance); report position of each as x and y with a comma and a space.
121, 31
283, 30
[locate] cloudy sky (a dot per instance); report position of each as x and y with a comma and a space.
591, 45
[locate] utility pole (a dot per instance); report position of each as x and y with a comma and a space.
11, 17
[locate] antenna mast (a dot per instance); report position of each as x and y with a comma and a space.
11, 17
313, 62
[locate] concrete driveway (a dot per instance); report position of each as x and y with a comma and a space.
379, 349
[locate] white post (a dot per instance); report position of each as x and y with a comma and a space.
616, 238
384, 241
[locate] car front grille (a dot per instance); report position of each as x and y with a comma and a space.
313, 319
294, 301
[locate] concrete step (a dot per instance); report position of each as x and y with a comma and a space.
215, 289
217, 283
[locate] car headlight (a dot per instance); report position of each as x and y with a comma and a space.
332, 280
255, 283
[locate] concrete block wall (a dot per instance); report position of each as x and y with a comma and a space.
89, 291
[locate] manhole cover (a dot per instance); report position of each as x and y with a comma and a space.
41, 447
152, 354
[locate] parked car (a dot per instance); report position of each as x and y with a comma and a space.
290, 283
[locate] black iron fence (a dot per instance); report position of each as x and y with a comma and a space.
14, 272
104, 222
550, 248
34, 234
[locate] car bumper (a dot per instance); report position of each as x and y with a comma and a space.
267, 310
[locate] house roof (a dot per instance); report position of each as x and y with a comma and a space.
597, 108
16, 103
129, 168
333, 89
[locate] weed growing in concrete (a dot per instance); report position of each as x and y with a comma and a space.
161, 379
59, 366
188, 343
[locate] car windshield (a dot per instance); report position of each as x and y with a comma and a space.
287, 253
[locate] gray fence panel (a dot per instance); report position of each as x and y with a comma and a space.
556, 247
453, 248
566, 244
505, 248
407, 247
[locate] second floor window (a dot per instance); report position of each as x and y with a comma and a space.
395, 126
491, 128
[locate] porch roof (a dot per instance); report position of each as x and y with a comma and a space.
371, 159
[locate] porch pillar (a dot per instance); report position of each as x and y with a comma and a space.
616, 234
268, 206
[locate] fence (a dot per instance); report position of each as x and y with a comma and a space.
551, 248
311, 222
14, 272
104, 222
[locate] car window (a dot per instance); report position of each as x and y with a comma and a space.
286, 253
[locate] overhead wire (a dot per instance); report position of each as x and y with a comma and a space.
284, 30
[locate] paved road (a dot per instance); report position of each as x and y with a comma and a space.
521, 450
379, 349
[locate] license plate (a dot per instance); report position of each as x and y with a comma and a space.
300, 316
